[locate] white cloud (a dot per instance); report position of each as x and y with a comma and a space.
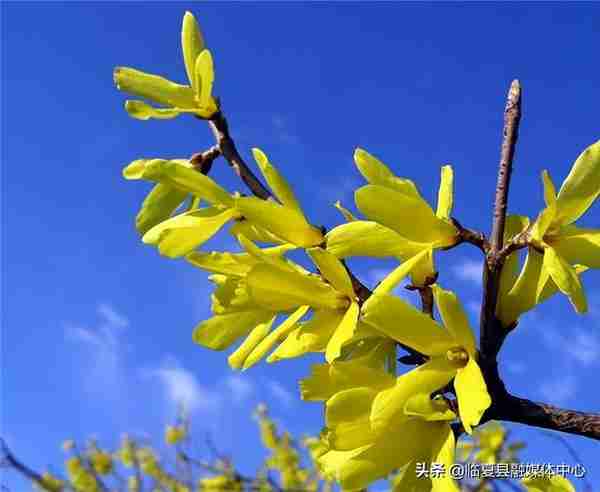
469, 271
102, 347
112, 317
583, 347
182, 388
241, 387
280, 393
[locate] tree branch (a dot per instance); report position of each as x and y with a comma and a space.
523, 411
491, 330
220, 129
12, 461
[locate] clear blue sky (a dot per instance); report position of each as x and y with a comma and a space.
96, 327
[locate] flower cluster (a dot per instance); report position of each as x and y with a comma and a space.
377, 421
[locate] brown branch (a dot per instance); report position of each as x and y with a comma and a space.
465, 235
220, 129
523, 411
203, 161
12, 461
492, 332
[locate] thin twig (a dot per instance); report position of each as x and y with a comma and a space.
492, 333
220, 129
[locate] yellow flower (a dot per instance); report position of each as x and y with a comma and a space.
237, 314
101, 461
567, 249
174, 434
285, 220
451, 349
400, 222
359, 452
50, 483
176, 179
176, 99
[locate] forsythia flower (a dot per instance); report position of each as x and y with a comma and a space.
285, 220
359, 451
101, 461
400, 224
236, 313
219, 483
195, 98
50, 483
81, 479
566, 249
451, 350
174, 434
178, 235
335, 306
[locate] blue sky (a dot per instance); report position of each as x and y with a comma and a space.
96, 327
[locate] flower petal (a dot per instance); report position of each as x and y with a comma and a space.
389, 404
347, 418
277, 183
192, 43
430, 409
471, 392
445, 193
312, 336
366, 238
158, 206
281, 290
332, 270
394, 278
342, 333
578, 245
327, 379
349, 216
143, 111
402, 322
282, 221
565, 277
377, 173
454, 317
205, 77
391, 208
181, 234
275, 336
443, 453
581, 187
220, 331
236, 359
522, 296
181, 175
153, 87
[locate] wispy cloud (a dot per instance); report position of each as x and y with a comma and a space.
181, 388
102, 345
468, 271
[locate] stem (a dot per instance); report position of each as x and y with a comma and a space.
492, 332
220, 129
